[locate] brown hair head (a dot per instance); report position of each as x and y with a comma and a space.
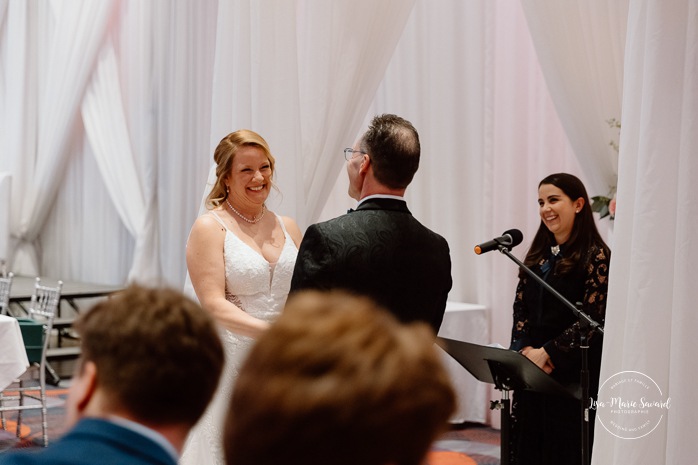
337, 379
157, 353
392, 143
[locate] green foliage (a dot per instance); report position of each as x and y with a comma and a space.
599, 204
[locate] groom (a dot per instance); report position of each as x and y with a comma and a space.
380, 250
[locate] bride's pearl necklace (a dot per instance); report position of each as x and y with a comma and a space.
254, 220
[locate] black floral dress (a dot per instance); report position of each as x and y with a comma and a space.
547, 429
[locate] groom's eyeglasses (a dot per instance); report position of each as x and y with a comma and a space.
349, 153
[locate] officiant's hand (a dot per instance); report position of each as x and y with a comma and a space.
540, 357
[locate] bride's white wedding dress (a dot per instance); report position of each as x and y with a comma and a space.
260, 288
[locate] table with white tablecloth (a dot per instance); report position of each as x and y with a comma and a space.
13, 357
469, 323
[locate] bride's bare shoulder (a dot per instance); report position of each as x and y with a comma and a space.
210, 222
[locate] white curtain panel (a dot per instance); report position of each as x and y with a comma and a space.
105, 125
5, 190
64, 74
184, 35
3, 12
580, 48
651, 317
83, 238
19, 101
348, 46
3, 62
164, 58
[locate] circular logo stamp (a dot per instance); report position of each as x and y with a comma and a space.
630, 405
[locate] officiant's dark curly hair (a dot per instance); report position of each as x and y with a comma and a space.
338, 380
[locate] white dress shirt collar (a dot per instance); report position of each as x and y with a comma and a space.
381, 196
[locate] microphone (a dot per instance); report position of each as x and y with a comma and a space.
508, 239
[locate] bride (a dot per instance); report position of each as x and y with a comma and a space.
240, 257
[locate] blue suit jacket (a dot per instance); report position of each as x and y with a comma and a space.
93, 441
382, 251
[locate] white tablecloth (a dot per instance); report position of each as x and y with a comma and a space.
469, 323
13, 357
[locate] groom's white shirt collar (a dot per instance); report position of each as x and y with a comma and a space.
381, 196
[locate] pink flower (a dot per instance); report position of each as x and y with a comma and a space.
612, 208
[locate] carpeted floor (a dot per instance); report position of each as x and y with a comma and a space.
467, 444
30, 432
476, 442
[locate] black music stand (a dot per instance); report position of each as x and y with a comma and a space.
507, 370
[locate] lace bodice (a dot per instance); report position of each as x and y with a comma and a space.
259, 288
255, 285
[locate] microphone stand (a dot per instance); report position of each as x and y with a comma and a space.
585, 322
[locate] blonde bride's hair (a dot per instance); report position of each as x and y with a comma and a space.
224, 155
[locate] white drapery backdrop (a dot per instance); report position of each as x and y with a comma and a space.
97, 227
580, 46
47, 87
308, 75
651, 320
107, 132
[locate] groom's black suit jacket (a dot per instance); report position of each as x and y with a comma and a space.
382, 251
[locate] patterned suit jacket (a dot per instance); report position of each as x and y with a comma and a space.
94, 441
382, 251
